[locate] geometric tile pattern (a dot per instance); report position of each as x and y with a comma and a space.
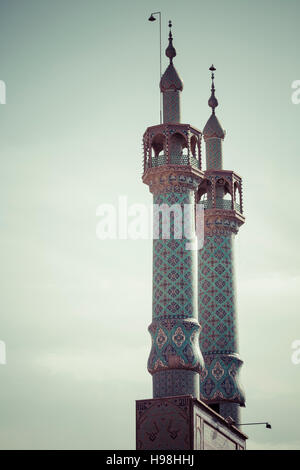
214, 154
174, 267
216, 295
172, 382
171, 106
175, 328
218, 337
219, 380
175, 345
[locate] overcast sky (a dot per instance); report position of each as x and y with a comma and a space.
82, 86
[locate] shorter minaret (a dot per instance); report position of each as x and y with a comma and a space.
221, 194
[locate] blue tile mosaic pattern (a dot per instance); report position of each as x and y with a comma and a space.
175, 328
217, 315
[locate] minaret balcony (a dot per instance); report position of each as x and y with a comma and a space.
172, 144
160, 160
221, 189
220, 203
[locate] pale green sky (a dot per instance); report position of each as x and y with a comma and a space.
82, 86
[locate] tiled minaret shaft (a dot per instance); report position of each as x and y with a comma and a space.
172, 169
219, 384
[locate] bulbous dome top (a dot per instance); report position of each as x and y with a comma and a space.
213, 102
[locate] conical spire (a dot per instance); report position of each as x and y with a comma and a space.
213, 127
171, 85
170, 79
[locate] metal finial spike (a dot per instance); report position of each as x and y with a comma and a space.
212, 102
212, 69
170, 32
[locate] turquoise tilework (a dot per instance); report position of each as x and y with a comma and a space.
218, 337
174, 329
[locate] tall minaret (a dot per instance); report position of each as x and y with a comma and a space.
172, 170
175, 418
221, 194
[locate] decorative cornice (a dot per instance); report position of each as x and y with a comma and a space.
176, 178
170, 128
222, 222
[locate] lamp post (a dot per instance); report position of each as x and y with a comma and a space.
152, 18
268, 425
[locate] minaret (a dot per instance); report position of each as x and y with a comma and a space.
221, 194
172, 170
175, 418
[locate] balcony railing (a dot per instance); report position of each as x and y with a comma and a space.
160, 160
220, 204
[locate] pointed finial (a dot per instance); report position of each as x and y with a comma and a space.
170, 51
212, 102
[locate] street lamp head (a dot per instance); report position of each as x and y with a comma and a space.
151, 18
268, 425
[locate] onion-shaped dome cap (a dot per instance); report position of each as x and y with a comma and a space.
170, 79
213, 102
